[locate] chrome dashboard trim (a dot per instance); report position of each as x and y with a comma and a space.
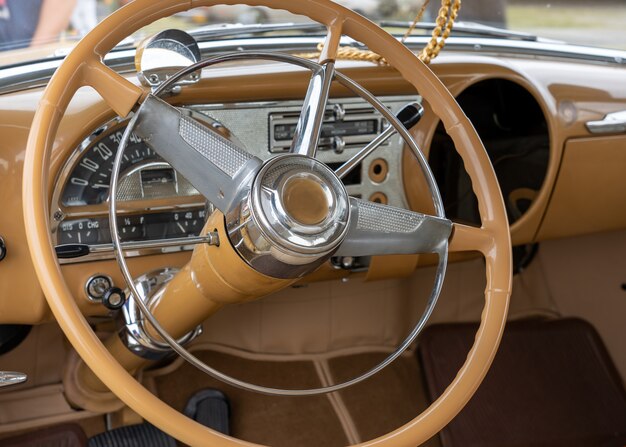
262, 111
8, 378
143, 248
612, 123
32, 75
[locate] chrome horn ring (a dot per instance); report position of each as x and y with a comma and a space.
441, 249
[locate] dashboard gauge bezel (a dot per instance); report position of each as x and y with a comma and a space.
60, 212
259, 115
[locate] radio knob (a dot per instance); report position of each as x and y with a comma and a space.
338, 112
338, 145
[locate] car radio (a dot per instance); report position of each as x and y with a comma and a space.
344, 126
266, 129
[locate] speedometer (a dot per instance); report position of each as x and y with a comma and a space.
162, 212
89, 181
144, 175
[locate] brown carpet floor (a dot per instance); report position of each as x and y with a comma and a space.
268, 420
381, 404
386, 401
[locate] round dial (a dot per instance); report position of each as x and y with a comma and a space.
89, 181
160, 204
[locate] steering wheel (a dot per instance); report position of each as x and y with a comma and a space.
277, 220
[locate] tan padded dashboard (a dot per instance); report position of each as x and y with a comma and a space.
583, 189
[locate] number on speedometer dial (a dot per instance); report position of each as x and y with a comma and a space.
90, 179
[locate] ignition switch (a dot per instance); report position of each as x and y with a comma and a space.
100, 288
97, 285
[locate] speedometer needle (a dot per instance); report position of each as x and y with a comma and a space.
181, 227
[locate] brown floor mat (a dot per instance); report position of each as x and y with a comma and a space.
268, 420
552, 383
386, 401
67, 435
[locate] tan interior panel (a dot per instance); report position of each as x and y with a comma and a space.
585, 277
590, 192
41, 356
568, 104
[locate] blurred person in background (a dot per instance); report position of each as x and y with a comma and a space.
85, 16
25, 23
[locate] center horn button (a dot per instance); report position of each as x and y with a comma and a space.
293, 218
304, 199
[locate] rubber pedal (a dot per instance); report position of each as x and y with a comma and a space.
211, 408
140, 435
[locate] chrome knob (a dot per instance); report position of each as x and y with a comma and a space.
294, 216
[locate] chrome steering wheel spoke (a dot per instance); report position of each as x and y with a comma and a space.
377, 229
214, 165
309, 127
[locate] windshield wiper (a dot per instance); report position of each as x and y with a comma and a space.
469, 28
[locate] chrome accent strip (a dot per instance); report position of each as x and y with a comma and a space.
463, 27
8, 378
210, 238
612, 123
144, 248
37, 74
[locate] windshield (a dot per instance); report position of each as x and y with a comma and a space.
40, 29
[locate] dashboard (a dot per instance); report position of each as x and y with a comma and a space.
161, 211
558, 178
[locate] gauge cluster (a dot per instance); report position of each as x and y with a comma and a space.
132, 228
159, 211
156, 205
143, 173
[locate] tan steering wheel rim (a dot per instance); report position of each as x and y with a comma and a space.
84, 67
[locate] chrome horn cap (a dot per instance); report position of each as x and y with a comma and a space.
293, 218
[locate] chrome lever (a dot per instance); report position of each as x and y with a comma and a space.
8, 378
409, 116
612, 123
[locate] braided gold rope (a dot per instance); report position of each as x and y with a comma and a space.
416, 20
448, 13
